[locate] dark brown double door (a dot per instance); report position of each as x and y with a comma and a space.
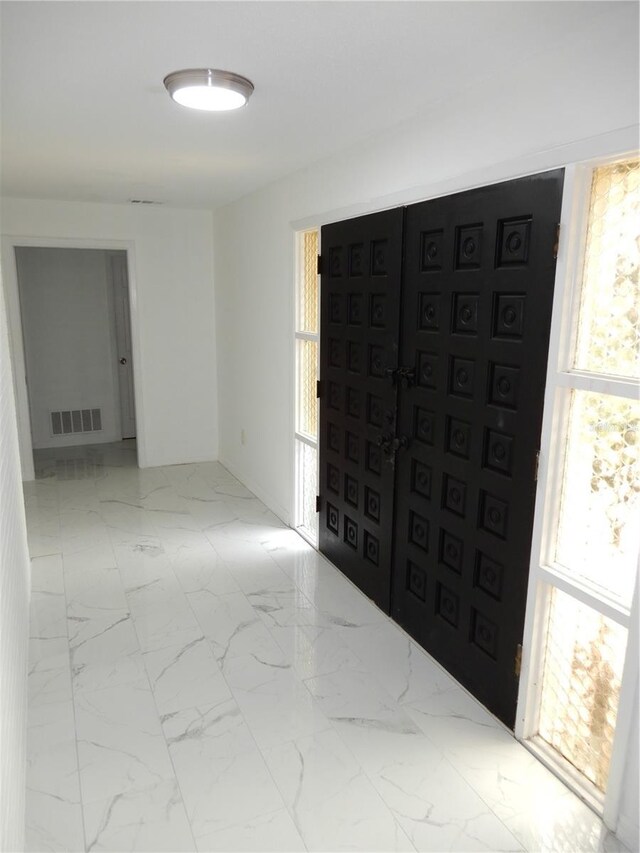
434, 337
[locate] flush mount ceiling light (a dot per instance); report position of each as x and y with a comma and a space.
208, 89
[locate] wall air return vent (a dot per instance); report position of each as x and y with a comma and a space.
76, 420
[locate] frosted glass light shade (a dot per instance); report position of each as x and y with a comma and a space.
208, 89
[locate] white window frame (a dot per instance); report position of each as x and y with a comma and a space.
545, 573
298, 335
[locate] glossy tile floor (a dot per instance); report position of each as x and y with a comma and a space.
201, 679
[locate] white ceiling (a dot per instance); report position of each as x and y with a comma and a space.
85, 115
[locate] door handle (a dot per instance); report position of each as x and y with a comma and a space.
407, 376
400, 443
123, 360
384, 442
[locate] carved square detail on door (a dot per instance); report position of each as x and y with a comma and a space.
354, 357
351, 490
447, 604
504, 386
419, 531
458, 439
488, 575
372, 504
429, 312
350, 532
377, 361
355, 309
513, 242
454, 495
424, 425
427, 373
352, 446
484, 633
451, 551
461, 377
416, 581
468, 246
374, 458
465, 313
431, 251
335, 308
421, 475
493, 514
379, 257
508, 315
356, 260
498, 452
336, 261
333, 479
371, 548
378, 311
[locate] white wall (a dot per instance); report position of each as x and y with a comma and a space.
170, 255
69, 340
14, 614
575, 103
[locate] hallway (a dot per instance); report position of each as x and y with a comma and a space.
202, 679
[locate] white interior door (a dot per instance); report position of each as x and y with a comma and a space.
120, 284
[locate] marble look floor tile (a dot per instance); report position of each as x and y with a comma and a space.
197, 565
373, 726
457, 723
258, 649
314, 650
333, 804
120, 744
405, 671
52, 760
46, 654
125, 670
93, 593
196, 735
222, 776
275, 702
49, 685
438, 810
257, 577
233, 628
509, 779
47, 575
53, 824
48, 616
141, 559
161, 613
127, 516
101, 639
185, 676
97, 554
153, 820
269, 833
568, 826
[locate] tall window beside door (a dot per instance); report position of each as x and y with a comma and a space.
306, 404
590, 556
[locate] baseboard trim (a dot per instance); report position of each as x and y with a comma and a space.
265, 497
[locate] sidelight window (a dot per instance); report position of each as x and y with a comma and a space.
306, 400
581, 670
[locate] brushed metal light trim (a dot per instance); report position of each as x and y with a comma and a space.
213, 77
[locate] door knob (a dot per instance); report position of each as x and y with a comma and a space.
400, 443
384, 443
123, 360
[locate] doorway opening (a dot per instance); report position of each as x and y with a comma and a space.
76, 333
